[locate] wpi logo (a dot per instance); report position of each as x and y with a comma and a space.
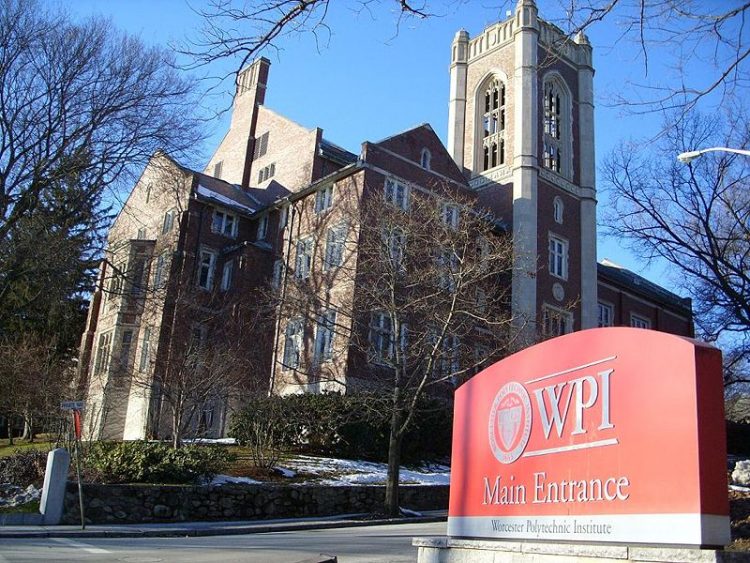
511, 415
510, 422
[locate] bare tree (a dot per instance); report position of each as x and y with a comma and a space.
82, 107
425, 304
697, 218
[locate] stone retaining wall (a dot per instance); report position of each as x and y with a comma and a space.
174, 503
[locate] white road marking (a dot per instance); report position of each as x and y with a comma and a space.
83, 546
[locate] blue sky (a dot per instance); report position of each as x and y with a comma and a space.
369, 78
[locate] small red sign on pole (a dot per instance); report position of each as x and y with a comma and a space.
611, 435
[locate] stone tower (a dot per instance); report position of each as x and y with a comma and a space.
521, 125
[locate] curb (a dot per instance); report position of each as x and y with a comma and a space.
233, 530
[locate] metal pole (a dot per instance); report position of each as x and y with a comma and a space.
76, 429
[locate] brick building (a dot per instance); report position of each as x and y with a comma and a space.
191, 252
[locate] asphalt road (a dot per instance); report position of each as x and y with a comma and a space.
351, 545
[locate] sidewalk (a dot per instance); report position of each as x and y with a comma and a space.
211, 528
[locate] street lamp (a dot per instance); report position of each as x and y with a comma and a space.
686, 157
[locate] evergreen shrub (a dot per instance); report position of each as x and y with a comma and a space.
23, 468
355, 425
154, 462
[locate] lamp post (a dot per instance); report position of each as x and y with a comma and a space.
686, 157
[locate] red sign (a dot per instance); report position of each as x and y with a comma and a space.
611, 435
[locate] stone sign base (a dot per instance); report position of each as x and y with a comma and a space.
455, 550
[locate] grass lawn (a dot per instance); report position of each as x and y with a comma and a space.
22, 445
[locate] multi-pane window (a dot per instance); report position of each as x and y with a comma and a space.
224, 224
395, 244
226, 275
206, 268
303, 261
141, 233
136, 282
266, 172
558, 257
448, 268
145, 349
323, 199
493, 125
450, 215
168, 221
335, 244
555, 132
637, 321
605, 314
397, 193
450, 356
261, 145
556, 322
159, 271
103, 351
293, 338
381, 336
125, 345
324, 333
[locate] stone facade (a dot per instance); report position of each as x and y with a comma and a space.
121, 504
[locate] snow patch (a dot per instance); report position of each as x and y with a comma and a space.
209, 193
13, 495
219, 480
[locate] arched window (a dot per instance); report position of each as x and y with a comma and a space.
492, 102
557, 210
556, 127
425, 158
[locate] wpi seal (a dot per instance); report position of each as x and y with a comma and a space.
510, 422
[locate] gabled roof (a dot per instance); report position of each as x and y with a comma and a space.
335, 153
640, 285
225, 194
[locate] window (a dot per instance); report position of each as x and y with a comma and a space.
425, 159
323, 199
324, 333
168, 221
224, 224
556, 143
283, 217
278, 272
556, 322
266, 172
127, 340
395, 244
217, 169
226, 275
558, 257
381, 336
450, 215
261, 145
159, 271
262, 228
605, 314
115, 283
303, 262
480, 299
397, 193
206, 268
148, 193
637, 321
141, 233
448, 268
145, 345
101, 364
293, 344
335, 244
493, 125
136, 283
450, 356
557, 209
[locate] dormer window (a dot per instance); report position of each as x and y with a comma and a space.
425, 159
492, 105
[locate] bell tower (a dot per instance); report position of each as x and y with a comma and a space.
521, 126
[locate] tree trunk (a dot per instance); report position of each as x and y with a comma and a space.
28, 428
391, 505
176, 424
10, 430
